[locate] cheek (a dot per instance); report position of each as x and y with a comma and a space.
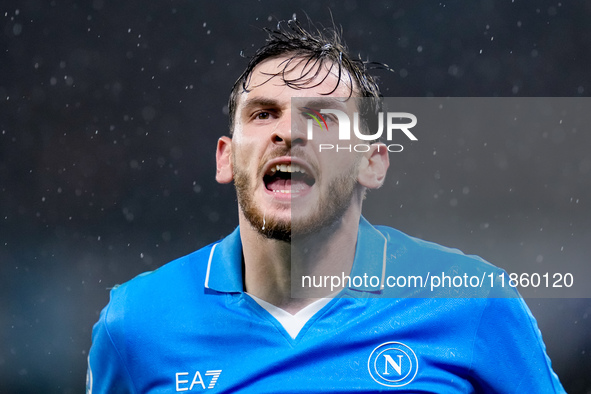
334, 166
244, 153
340, 161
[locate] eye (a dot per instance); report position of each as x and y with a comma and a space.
331, 118
262, 115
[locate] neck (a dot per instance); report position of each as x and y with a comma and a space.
271, 265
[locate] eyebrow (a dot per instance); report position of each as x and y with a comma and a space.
321, 102
301, 102
257, 102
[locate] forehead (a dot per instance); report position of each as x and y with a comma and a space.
286, 77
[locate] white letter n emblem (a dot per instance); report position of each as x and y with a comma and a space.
390, 360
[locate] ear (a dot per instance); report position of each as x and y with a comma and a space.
223, 157
373, 167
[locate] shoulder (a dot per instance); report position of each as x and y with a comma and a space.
185, 269
158, 292
445, 271
146, 316
401, 244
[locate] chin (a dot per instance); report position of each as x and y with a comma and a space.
279, 231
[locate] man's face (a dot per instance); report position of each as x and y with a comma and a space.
284, 185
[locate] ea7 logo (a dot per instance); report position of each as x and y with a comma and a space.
393, 364
182, 384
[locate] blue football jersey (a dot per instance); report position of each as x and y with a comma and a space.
190, 327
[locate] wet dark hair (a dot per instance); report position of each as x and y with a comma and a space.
314, 50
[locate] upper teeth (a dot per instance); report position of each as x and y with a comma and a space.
286, 168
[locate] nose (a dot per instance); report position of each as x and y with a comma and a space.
289, 131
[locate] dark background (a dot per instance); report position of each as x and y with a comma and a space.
109, 116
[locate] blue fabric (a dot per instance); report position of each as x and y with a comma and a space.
189, 327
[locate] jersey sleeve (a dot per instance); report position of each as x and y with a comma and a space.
509, 354
107, 372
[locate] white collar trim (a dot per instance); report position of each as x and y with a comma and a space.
293, 324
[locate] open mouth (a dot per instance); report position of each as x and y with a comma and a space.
288, 178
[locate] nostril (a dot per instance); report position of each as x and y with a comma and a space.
298, 141
276, 138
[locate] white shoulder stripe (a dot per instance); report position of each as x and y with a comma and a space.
384, 262
209, 266
89, 378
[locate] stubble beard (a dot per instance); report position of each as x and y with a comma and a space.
329, 210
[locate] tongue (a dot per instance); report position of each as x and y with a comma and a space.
292, 185
279, 184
